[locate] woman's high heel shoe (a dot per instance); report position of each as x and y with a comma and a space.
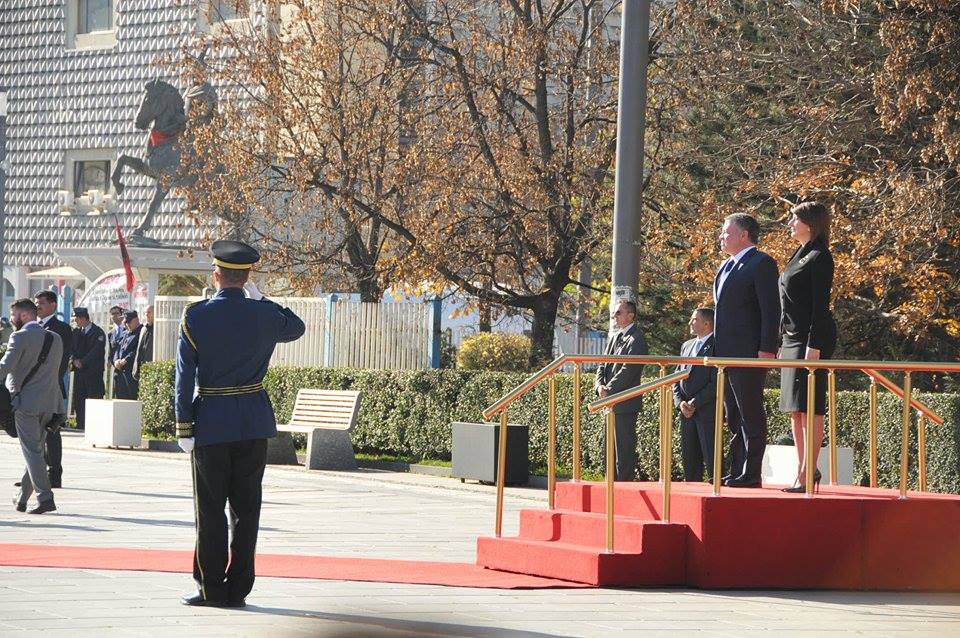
800, 488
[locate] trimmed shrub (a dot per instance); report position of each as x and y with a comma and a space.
408, 413
494, 351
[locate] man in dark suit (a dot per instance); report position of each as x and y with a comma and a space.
224, 418
46, 301
89, 349
115, 339
125, 385
747, 324
616, 377
144, 345
695, 396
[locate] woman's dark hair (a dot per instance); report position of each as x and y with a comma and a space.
817, 217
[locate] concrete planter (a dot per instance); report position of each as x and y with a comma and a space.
780, 465
113, 423
474, 452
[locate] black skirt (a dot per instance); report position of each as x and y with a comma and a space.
793, 381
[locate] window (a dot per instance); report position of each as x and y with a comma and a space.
224, 10
90, 24
94, 15
91, 175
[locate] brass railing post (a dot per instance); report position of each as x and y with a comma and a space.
611, 470
832, 407
873, 432
551, 439
667, 463
905, 434
501, 469
576, 421
718, 432
922, 451
663, 426
811, 419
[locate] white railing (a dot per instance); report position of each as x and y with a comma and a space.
358, 335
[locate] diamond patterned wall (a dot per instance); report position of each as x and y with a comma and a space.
62, 99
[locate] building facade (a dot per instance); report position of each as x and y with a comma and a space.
72, 73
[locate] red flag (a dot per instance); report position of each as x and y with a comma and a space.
127, 268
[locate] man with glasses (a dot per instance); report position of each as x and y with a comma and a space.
617, 377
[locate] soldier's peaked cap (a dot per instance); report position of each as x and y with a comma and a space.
235, 255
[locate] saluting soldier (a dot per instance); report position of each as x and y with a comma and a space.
224, 349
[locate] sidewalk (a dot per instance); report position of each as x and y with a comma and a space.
138, 499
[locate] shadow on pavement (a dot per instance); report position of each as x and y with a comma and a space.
30, 523
374, 627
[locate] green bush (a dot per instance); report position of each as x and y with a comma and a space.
408, 414
494, 351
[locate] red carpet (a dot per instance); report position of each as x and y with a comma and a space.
844, 538
279, 565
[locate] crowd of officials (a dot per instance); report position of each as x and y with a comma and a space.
85, 350
758, 312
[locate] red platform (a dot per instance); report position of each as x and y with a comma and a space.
843, 538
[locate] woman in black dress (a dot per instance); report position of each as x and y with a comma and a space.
807, 328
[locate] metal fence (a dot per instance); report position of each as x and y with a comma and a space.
338, 333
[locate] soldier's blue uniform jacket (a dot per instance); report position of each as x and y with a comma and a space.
223, 352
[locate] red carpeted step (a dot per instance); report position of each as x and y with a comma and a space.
581, 564
590, 530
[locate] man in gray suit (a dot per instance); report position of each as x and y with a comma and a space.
617, 377
36, 398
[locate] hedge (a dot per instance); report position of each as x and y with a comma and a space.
408, 413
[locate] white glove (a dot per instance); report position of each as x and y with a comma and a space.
252, 292
186, 444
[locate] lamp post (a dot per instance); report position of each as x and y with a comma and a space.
631, 121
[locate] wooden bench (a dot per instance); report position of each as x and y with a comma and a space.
327, 417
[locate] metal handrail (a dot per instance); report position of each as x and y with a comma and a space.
636, 391
914, 403
504, 402
871, 368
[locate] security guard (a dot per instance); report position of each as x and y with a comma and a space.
89, 344
224, 417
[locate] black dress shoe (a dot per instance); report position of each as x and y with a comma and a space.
56, 483
743, 481
196, 599
43, 507
236, 604
20, 507
17, 484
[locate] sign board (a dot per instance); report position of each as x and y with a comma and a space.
110, 289
622, 293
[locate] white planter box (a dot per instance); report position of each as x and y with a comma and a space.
113, 423
780, 465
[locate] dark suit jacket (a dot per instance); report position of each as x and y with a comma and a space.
128, 349
89, 350
747, 318
620, 377
805, 295
701, 385
66, 338
144, 349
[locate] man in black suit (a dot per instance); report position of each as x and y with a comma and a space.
89, 346
115, 339
144, 345
695, 396
46, 301
616, 377
125, 385
747, 324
